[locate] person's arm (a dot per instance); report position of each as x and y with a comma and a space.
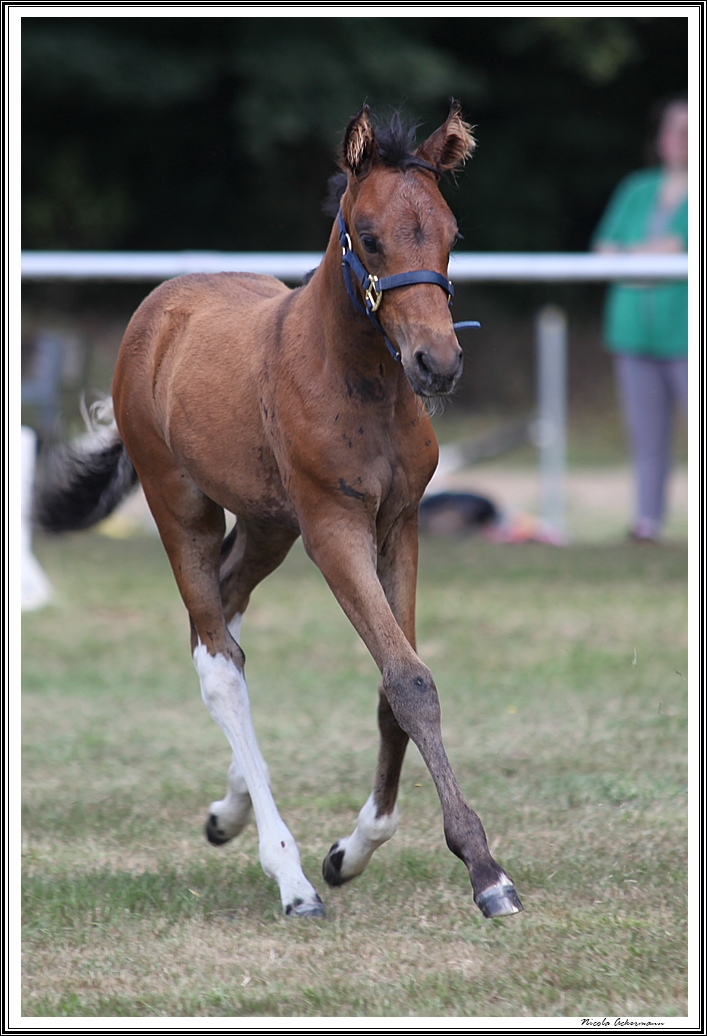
615, 233
670, 244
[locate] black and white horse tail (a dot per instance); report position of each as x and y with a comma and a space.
80, 483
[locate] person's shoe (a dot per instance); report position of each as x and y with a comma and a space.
646, 530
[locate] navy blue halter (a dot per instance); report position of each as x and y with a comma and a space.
373, 287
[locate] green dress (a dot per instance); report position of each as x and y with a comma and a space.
644, 320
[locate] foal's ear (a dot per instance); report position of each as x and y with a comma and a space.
450, 145
359, 143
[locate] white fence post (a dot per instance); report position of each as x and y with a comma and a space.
550, 434
36, 589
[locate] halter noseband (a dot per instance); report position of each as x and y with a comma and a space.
373, 287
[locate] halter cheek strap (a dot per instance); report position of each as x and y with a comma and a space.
373, 287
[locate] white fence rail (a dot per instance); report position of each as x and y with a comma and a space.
464, 267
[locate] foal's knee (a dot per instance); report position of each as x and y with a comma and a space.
412, 696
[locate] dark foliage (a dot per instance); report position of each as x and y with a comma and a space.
152, 133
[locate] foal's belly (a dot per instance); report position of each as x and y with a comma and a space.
253, 494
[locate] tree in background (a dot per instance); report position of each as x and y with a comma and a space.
151, 133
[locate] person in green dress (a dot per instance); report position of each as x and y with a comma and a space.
645, 325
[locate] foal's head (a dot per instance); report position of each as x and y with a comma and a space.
398, 221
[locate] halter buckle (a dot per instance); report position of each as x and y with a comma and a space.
348, 247
373, 294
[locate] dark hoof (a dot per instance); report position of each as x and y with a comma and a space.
301, 909
499, 901
331, 868
214, 833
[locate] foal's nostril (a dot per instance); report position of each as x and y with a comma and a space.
429, 366
422, 363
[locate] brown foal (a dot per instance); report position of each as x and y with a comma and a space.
285, 408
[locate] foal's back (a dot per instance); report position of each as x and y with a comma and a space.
199, 319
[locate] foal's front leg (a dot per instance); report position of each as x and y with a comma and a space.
378, 819
347, 561
191, 527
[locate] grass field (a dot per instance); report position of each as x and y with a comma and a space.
562, 676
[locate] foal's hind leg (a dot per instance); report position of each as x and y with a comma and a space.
378, 818
248, 554
228, 816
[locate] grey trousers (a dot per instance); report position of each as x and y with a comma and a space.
650, 391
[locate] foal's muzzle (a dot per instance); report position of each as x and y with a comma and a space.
430, 375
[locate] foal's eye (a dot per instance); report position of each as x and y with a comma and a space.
369, 243
456, 239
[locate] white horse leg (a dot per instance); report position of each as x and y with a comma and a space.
225, 694
378, 819
349, 857
234, 627
228, 816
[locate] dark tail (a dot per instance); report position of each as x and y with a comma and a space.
78, 484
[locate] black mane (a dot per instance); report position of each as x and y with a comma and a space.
395, 143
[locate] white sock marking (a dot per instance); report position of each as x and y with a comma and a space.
370, 833
225, 694
234, 627
233, 812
